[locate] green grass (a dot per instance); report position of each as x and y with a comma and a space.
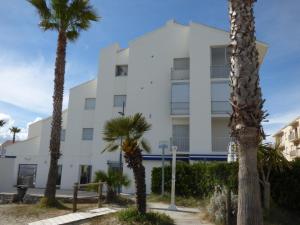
180, 201
132, 217
279, 216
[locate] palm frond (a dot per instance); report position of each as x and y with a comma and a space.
112, 146
145, 145
42, 8
2, 123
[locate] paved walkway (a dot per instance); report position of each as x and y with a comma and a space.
184, 215
75, 218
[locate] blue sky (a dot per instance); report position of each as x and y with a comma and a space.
27, 54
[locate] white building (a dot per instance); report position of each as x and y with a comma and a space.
177, 76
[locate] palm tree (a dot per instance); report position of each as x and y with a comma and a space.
68, 18
247, 105
113, 180
131, 129
2, 123
270, 158
14, 130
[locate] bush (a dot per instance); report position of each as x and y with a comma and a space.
197, 180
132, 217
285, 186
217, 206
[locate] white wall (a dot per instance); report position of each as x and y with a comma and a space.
6, 171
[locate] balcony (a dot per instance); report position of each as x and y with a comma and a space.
177, 74
180, 108
182, 143
220, 107
220, 144
294, 137
220, 71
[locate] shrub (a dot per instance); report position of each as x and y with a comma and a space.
285, 185
217, 206
197, 180
132, 217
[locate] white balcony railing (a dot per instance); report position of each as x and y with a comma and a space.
182, 143
293, 136
180, 74
220, 71
180, 108
220, 107
220, 144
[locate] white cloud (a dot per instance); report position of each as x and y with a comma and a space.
5, 133
27, 83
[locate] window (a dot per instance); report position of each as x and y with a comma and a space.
119, 100
121, 70
87, 133
85, 174
90, 104
62, 134
27, 174
180, 99
181, 64
58, 179
181, 137
220, 62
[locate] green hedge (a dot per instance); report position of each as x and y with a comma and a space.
197, 180
285, 186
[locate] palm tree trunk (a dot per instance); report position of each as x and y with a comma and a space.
140, 184
56, 118
247, 104
249, 203
14, 137
267, 195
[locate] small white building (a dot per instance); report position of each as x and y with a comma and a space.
177, 76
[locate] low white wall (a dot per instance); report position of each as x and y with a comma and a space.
6, 173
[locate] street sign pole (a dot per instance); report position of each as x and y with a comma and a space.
172, 205
163, 171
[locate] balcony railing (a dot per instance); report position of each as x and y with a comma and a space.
220, 107
182, 143
220, 144
180, 74
293, 136
180, 108
221, 71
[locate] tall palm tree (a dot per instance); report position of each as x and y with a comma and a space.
131, 129
68, 18
14, 130
2, 123
247, 105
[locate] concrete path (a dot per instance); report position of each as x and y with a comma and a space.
184, 215
75, 218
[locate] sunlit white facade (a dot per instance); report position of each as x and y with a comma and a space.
177, 76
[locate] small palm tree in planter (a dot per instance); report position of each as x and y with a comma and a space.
14, 130
131, 129
113, 179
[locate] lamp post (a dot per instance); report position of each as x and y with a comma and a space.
172, 205
121, 141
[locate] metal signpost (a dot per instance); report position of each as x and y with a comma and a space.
163, 145
172, 205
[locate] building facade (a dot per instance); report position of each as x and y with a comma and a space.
288, 139
177, 76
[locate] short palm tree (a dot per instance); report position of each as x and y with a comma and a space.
113, 180
131, 129
247, 105
270, 158
14, 131
68, 18
2, 123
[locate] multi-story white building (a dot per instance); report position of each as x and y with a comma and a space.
177, 76
288, 139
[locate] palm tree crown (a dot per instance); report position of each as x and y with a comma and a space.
65, 16
2, 123
131, 129
14, 130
